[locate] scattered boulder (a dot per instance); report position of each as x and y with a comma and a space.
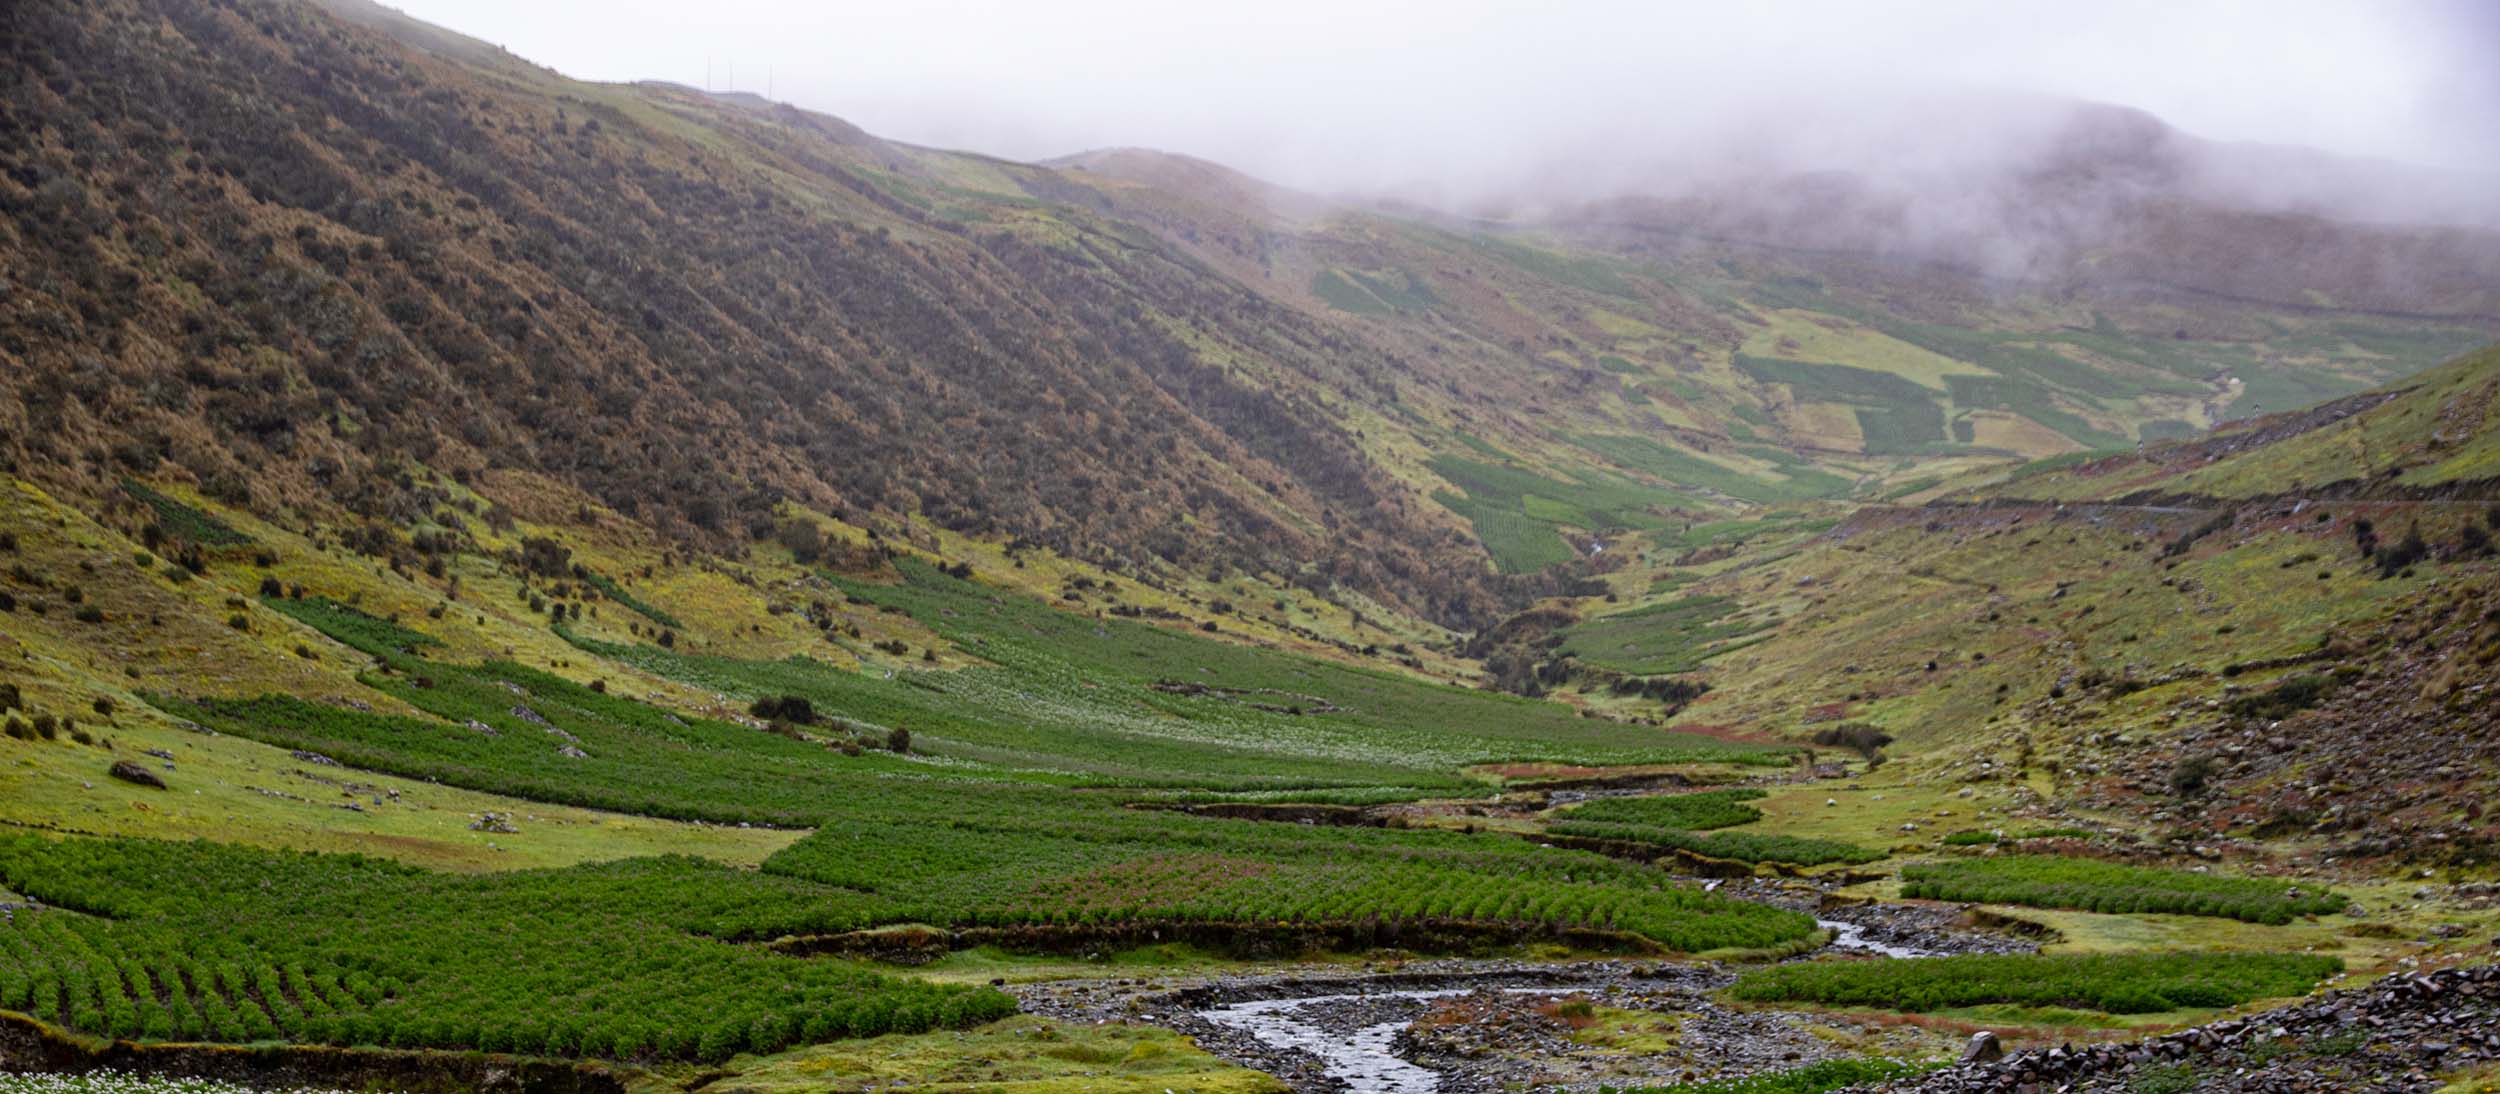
1983, 1048
130, 772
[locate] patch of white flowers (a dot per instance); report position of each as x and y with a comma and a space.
119, 1082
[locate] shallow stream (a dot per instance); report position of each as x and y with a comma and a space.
1353, 1034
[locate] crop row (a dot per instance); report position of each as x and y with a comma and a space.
1739, 846
231, 944
510, 729
2050, 881
357, 629
2132, 983
1038, 861
1697, 811
608, 587
638, 959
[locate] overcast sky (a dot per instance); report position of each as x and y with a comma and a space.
1338, 94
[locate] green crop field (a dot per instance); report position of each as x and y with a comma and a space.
1520, 515
182, 521
1700, 810
626, 960
1660, 639
1143, 705
2050, 882
2110, 983
1734, 846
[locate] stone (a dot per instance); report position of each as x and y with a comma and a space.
1984, 1048
130, 772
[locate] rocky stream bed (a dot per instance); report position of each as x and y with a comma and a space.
1466, 1026
1459, 1026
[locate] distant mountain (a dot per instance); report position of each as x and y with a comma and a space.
2099, 203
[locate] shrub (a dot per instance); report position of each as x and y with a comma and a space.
2190, 775
785, 708
544, 557
2395, 559
2288, 696
805, 541
1858, 737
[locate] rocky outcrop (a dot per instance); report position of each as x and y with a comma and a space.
2395, 1035
130, 772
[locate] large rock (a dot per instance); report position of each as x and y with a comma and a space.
1984, 1048
130, 772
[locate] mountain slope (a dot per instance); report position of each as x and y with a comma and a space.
2434, 435
282, 252
2279, 634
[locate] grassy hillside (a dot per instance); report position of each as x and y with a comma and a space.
2429, 435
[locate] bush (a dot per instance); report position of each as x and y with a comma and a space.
785, 708
2190, 775
544, 557
2287, 697
2394, 560
1858, 737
